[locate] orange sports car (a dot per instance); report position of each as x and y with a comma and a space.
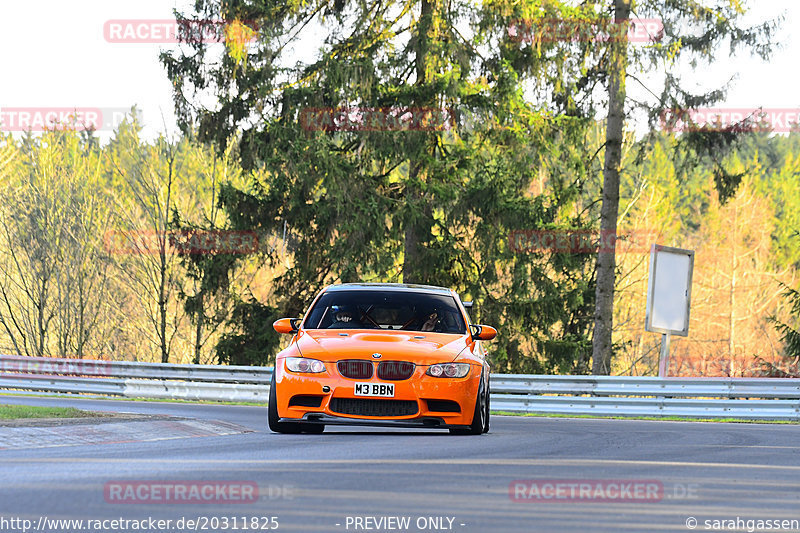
382, 355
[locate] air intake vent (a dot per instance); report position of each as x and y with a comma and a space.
355, 369
302, 400
443, 406
364, 407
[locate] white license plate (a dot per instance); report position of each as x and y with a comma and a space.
383, 390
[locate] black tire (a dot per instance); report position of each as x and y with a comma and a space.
272, 414
480, 416
488, 412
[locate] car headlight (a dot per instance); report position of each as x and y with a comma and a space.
304, 364
448, 370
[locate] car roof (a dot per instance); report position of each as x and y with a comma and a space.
399, 287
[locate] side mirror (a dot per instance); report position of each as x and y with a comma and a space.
483, 333
286, 325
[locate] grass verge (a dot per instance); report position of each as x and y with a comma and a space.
10, 412
118, 399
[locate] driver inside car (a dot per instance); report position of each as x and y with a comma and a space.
431, 321
342, 319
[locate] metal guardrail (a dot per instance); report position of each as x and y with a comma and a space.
743, 398
647, 386
135, 380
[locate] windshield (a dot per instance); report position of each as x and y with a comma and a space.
396, 310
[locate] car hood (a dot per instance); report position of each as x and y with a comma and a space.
330, 346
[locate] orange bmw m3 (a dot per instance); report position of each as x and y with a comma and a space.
382, 355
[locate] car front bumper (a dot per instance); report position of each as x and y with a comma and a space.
425, 390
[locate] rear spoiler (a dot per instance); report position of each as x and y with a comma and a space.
467, 305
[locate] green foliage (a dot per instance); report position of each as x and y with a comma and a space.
52, 267
537, 177
432, 205
252, 341
696, 33
791, 332
437, 205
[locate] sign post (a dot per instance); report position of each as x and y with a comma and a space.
669, 295
663, 362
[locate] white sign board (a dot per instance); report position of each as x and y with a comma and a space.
669, 290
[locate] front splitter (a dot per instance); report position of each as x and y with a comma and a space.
428, 422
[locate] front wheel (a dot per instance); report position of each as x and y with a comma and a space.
272, 413
486, 419
480, 417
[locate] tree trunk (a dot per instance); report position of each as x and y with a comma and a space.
411, 254
162, 303
413, 270
164, 275
606, 258
198, 329
732, 297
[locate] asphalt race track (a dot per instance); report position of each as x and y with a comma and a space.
638, 475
